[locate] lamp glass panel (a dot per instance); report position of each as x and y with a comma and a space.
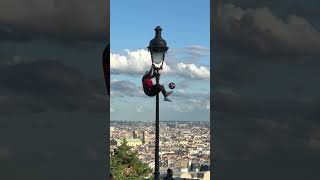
157, 57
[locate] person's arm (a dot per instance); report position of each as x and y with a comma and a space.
155, 74
151, 69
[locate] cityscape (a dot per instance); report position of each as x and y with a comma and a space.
184, 145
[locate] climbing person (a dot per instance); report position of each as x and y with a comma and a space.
151, 89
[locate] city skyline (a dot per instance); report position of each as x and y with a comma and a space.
184, 147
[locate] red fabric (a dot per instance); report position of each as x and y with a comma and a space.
149, 83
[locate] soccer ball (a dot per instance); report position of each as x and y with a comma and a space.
172, 85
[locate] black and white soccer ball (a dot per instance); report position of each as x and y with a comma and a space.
172, 85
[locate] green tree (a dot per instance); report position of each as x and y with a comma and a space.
125, 164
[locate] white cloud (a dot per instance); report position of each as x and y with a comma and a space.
191, 105
139, 61
56, 18
193, 71
197, 50
188, 102
182, 108
180, 91
123, 88
133, 62
114, 80
112, 109
139, 108
263, 29
208, 105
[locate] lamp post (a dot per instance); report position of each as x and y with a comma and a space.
158, 48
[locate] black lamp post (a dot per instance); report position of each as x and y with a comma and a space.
158, 48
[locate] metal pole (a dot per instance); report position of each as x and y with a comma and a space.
157, 163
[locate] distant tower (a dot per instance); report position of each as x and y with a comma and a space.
135, 134
145, 137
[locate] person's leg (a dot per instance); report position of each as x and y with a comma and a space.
154, 90
165, 93
163, 90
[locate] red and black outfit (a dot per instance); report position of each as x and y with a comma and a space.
151, 89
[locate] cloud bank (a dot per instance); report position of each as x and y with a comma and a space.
261, 30
137, 62
66, 20
34, 85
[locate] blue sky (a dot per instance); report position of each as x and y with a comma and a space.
183, 22
186, 28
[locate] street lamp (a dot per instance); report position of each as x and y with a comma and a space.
158, 48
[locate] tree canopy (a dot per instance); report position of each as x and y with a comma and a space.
125, 164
